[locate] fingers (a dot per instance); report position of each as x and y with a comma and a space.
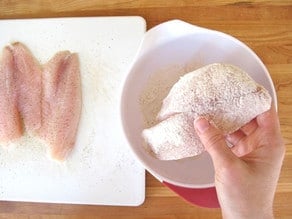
244, 147
269, 126
214, 143
244, 131
235, 137
250, 127
264, 130
269, 120
240, 139
242, 143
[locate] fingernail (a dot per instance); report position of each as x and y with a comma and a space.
201, 125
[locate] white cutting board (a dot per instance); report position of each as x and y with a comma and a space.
101, 169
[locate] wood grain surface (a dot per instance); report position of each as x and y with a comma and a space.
265, 26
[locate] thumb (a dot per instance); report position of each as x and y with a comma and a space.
214, 143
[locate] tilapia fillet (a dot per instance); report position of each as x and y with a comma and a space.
61, 103
10, 123
222, 93
46, 100
174, 138
27, 76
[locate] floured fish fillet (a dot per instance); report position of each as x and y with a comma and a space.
28, 78
10, 123
222, 93
61, 103
174, 138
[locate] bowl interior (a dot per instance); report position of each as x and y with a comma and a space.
151, 78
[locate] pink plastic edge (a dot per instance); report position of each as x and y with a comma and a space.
205, 197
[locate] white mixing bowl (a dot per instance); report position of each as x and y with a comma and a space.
168, 51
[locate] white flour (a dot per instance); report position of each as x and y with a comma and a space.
156, 89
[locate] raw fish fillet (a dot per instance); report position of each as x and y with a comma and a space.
28, 78
10, 123
61, 103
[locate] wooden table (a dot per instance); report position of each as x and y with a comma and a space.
264, 25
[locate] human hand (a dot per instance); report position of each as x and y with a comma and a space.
246, 175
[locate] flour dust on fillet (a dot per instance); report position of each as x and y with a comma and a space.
224, 94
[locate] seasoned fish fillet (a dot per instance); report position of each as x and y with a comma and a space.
10, 123
222, 93
28, 78
61, 103
46, 101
